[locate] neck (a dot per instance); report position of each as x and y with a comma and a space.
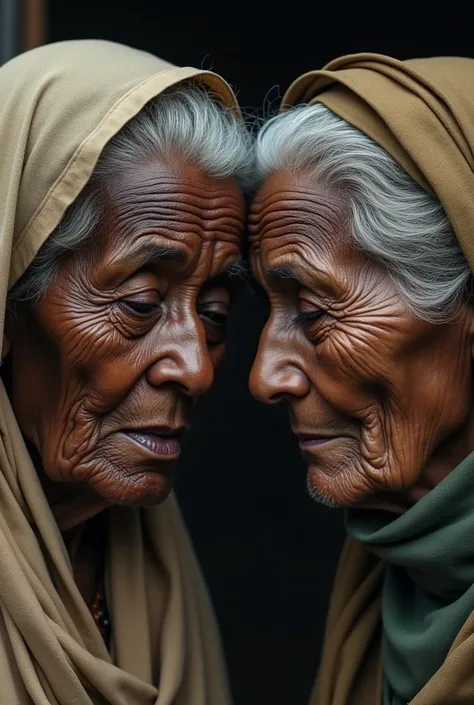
73, 506
86, 546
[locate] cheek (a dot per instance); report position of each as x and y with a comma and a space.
103, 361
350, 369
93, 358
71, 368
437, 385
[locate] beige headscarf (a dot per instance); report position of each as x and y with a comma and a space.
422, 113
59, 106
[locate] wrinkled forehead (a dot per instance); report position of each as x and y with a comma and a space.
179, 191
176, 203
173, 219
294, 213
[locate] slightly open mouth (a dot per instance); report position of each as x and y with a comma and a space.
166, 446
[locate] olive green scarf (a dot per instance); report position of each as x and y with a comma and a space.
428, 590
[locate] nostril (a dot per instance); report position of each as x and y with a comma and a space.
277, 397
282, 386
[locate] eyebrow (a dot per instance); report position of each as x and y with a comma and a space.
238, 270
236, 276
316, 280
151, 254
284, 271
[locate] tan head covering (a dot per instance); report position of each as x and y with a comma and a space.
422, 113
59, 106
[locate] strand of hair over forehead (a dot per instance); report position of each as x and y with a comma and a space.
186, 122
392, 219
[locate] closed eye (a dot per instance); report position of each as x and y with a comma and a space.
308, 316
219, 319
139, 308
215, 325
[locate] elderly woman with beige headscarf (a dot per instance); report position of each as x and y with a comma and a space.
363, 239
121, 216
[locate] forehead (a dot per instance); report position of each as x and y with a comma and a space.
176, 202
182, 179
292, 218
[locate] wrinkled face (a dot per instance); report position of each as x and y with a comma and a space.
107, 367
374, 394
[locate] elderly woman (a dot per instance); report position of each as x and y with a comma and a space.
121, 214
363, 239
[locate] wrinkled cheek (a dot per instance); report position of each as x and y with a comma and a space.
102, 366
355, 395
85, 456
92, 464
344, 388
395, 447
72, 438
108, 385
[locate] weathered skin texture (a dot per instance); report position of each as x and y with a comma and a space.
127, 338
381, 401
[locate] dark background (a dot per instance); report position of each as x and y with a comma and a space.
268, 553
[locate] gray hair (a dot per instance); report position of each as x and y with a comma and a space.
187, 122
393, 220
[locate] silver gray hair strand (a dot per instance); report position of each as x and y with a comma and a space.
393, 220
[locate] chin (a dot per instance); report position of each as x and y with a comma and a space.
332, 489
142, 489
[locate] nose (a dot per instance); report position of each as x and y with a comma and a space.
275, 376
186, 363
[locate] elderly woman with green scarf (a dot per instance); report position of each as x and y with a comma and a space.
363, 239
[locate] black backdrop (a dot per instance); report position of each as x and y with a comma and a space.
268, 553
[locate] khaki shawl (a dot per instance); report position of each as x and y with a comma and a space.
422, 113
59, 105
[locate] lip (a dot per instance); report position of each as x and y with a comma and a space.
162, 442
310, 441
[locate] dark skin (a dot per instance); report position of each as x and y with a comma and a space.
380, 401
108, 367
